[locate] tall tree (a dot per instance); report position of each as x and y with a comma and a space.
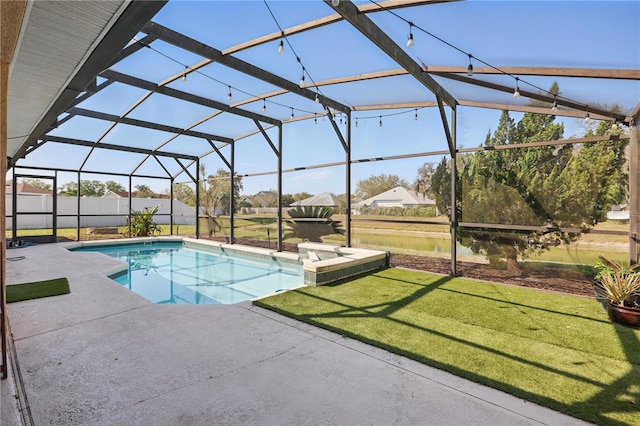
88, 188
378, 184
286, 200
184, 193
301, 196
558, 186
441, 187
114, 186
215, 195
144, 191
422, 182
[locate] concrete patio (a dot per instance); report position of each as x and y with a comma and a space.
103, 355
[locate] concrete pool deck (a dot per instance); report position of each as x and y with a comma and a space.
103, 355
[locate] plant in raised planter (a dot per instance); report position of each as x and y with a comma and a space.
618, 287
312, 222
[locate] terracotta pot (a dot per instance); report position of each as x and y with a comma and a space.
624, 316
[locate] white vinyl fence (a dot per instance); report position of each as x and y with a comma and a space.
182, 213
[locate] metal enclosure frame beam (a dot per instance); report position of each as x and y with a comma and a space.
634, 185
172, 37
146, 124
185, 96
102, 145
378, 37
278, 152
136, 15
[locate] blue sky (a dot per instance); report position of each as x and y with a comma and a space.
581, 34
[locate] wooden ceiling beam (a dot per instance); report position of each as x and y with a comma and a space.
538, 96
607, 73
533, 109
407, 105
378, 37
331, 19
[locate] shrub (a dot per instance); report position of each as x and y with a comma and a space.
141, 223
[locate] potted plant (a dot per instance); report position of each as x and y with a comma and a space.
618, 287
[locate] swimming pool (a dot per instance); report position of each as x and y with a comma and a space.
176, 273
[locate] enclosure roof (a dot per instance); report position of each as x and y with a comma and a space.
62, 46
171, 85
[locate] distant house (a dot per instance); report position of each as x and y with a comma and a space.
618, 212
325, 199
26, 189
264, 199
118, 194
397, 197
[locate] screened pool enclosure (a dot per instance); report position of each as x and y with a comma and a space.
524, 141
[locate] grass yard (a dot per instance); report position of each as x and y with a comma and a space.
556, 350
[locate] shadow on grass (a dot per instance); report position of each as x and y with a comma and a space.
527, 306
620, 396
388, 307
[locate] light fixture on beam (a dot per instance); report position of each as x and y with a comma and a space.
587, 117
264, 105
554, 107
230, 95
184, 73
292, 113
516, 93
380, 122
410, 37
415, 117
281, 45
470, 67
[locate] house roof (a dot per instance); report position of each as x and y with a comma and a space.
25, 188
118, 194
324, 199
264, 198
400, 195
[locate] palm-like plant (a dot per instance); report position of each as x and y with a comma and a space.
311, 222
618, 284
141, 224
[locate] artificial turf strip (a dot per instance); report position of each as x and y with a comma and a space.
34, 290
553, 349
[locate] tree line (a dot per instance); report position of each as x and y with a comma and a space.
89, 188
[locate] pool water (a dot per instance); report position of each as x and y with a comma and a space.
170, 273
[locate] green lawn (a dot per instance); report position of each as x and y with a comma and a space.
556, 350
